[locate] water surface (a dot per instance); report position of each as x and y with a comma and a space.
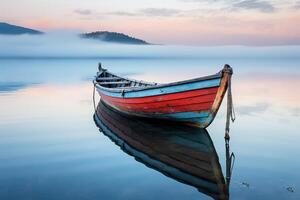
51, 148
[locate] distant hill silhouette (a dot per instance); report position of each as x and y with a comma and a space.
113, 37
9, 29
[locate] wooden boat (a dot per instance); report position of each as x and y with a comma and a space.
194, 101
183, 153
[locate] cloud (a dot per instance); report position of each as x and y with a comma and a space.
150, 12
296, 5
83, 11
253, 109
295, 111
164, 12
260, 5
199, 1
263, 6
123, 13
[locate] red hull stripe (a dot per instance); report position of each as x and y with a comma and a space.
191, 101
161, 98
166, 110
157, 106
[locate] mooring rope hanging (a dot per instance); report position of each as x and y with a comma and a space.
230, 159
230, 109
94, 102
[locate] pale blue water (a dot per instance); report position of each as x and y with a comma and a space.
50, 147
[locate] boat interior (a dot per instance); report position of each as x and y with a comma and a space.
109, 80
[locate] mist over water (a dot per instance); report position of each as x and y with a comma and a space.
69, 45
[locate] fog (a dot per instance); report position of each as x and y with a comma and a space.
62, 44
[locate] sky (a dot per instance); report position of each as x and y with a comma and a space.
188, 22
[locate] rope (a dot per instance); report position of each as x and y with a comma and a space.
230, 160
230, 116
94, 102
94, 89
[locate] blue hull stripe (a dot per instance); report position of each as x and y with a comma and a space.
187, 115
201, 118
164, 90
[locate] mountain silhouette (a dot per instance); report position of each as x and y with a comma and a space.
107, 36
9, 29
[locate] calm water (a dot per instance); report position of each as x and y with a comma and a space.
51, 148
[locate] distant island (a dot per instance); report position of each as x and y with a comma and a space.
107, 36
9, 29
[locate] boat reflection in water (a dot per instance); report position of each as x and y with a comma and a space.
184, 153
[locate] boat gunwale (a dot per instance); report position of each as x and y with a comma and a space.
154, 85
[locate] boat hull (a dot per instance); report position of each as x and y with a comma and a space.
195, 102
